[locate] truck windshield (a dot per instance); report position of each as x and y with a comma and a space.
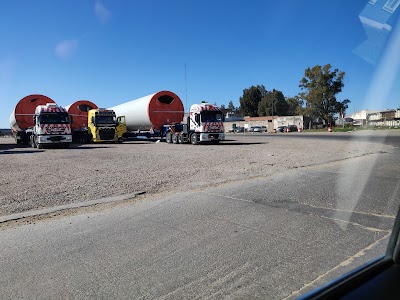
211, 116
110, 120
54, 118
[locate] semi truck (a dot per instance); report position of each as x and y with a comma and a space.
161, 115
38, 121
204, 124
92, 124
105, 126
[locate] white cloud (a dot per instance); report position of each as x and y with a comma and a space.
66, 48
102, 13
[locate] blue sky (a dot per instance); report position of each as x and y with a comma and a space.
110, 52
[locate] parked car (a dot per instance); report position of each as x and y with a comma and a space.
291, 128
260, 129
281, 129
236, 129
239, 129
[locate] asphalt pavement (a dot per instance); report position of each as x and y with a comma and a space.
267, 238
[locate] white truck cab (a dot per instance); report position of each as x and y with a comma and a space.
52, 126
207, 121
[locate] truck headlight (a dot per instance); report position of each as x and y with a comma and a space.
69, 138
42, 138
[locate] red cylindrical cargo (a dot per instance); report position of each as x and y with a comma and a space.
152, 111
22, 116
78, 112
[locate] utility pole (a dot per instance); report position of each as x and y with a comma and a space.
273, 126
185, 89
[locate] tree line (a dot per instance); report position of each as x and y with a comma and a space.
317, 99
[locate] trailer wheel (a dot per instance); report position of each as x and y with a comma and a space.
180, 139
168, 137
194, 139
175, 138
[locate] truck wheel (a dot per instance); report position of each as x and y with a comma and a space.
168, 137
89, 139
39, 146
120, 140
194, 139
174, 138
180, 139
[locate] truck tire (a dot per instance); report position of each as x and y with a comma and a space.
180, 139
193, 139
39, 146
168, 137
175, 138
89, 139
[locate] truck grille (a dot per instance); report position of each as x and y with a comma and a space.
56, 138
213, 136
107, 133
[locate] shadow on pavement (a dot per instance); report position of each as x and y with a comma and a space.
20, 152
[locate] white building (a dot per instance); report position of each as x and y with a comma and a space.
389, 118
360, 117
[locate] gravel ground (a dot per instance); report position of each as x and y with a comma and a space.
32, 178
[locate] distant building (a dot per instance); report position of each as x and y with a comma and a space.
386, 118
248, 122
271, 122
231, 116
344, 121
360, 117
300, 121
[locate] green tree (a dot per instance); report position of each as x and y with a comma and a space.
273, 103
342, 106
250, 99
321, 85
231, 107
295, 106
